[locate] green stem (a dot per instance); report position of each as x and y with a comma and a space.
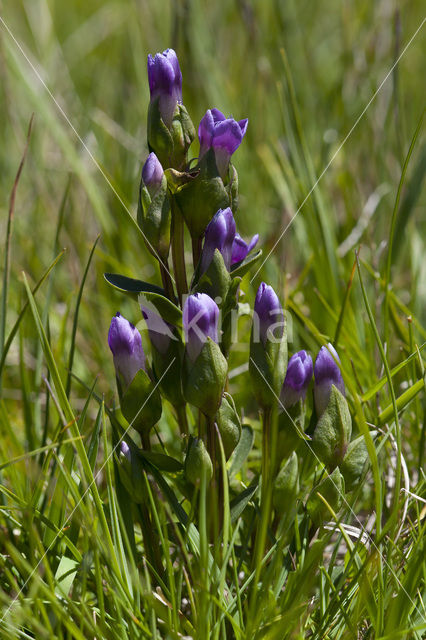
268, 469
196, 250
167, 281
146, 442
182, 419
178, 253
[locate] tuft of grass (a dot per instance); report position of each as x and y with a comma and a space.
73, 566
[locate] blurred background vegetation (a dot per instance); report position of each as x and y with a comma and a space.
304, 74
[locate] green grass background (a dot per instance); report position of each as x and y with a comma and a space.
309, 76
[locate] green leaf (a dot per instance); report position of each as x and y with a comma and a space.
168, 311
242, 449
239, 503
130, 285
162, 461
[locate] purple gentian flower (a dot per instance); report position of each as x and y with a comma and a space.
224, 135
152, 174
297, 379
268, 314
126, 345
165, 82
241, 249
200, 320
327, 373
219, 234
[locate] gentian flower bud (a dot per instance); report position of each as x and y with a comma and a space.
223, 135
268, 347
165, 83
327, 373
125, 342
170, 129
154, 210
269, 314
152, 174
200, 320
297, 379
241, 249
220, 234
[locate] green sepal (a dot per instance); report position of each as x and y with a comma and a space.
232, 187
355, 463
183, 134
197, 462
291, 424
168, 368
229, 307
216, 280
204, 380
202, 195
229, 424
332, 488
286, 486
141, 403
267, 367
154, 219
333, 431
170, 145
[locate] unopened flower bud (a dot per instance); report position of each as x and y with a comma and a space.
125, 342
268, 346
198, 462
170, 129
200, 320
326, 373
152, 174
268, 314
165, 82
297, 379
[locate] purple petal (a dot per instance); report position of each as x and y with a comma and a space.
200, 320
152, 171
268, 313
240, 248
125, 342
327, 373
227, 135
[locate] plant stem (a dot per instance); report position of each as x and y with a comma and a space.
146, 442
182, 419
178, 253
166, 280
196, 251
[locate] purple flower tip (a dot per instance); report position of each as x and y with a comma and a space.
152, 173
222, 134
240, 248
125, 342
165, 82
327, 373
219, 234
200, 321
125, 449
268, 314
297, 379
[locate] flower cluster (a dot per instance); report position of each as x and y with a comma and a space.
189, 322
